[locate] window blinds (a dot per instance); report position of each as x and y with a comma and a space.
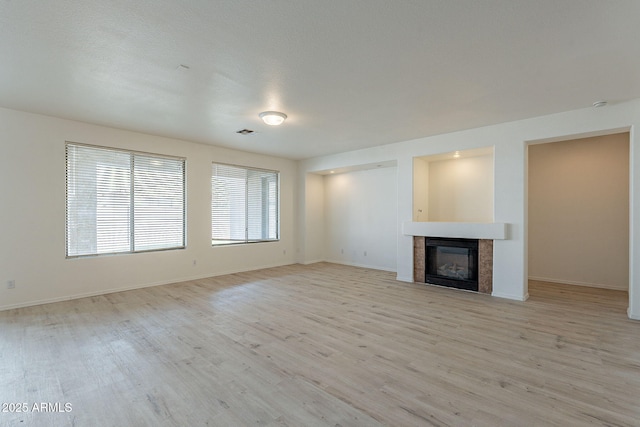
122, 201
244, 204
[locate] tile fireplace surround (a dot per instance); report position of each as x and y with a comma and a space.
486, 233
485, 263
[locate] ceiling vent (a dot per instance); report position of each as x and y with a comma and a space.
245, 132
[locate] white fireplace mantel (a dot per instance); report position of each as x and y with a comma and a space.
460, 230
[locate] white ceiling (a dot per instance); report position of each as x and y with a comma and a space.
349, 73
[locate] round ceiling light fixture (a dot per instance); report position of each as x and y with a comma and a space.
599, 104
272, 118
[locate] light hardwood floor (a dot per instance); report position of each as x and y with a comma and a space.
323, 345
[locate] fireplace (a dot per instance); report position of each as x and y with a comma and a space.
452, 262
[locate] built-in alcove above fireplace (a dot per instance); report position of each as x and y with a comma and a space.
457, 186
452, 219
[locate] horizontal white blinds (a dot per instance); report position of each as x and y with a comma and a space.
120, 201
244, 204
158, 190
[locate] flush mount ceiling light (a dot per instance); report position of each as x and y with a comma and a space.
272, 118
599, 104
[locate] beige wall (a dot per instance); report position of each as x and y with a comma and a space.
579, 211
32, 215
461, 190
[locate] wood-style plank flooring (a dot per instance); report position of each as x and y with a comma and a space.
323, 345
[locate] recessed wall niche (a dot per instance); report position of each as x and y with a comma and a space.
454, 187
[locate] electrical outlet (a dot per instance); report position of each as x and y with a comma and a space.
284, 252
11, 284
194, 262
365, 253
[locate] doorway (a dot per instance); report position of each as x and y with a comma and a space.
578, 212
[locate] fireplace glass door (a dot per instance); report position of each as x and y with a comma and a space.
452, 262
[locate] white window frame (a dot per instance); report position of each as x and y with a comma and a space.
268, 218
110, 189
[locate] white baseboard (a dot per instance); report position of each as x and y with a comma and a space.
355, 264
510, 296
573, 282
631, 315
404, 278
78, 296
313, 261
132, 287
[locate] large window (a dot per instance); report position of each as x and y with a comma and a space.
244, 205
121, 201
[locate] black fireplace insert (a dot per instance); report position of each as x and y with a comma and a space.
452, 262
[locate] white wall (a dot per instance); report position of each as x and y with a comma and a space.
461, 190
579, 211
32, 215
32, 203
510, 183
420, 190
314, 237
360, 218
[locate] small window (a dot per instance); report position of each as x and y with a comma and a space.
123, 201
244, 205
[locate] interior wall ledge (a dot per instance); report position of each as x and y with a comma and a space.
460, 230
